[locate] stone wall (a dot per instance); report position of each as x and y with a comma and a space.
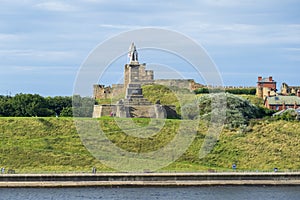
108, 92
195, 85
101, 92
103, 110
288, 90
155, 179
145, 75
137, 73
140, 111
180, 83
117, 90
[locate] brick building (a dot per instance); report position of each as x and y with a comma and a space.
282, 102
265, 87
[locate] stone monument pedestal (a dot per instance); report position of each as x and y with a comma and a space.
134, 104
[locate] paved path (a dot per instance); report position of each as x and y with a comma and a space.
147, 179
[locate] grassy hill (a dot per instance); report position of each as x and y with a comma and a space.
45, 145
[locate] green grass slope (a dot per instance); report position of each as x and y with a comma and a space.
43, 145
47, 145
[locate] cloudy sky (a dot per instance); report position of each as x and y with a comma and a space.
44, 43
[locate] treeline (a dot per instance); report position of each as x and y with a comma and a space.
31, 105
205, 90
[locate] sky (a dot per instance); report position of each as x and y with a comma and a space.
44, 43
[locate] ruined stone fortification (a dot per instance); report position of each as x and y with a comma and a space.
116, 90
289, 90
109, 92
133, 103
134, 72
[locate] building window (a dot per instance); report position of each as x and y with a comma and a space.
277, 107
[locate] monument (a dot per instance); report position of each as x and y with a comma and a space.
134, 104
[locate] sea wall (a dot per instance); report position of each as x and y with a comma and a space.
147, 179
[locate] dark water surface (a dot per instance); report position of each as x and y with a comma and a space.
173, 193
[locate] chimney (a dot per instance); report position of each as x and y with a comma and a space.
298, 93
270, 78
259, 78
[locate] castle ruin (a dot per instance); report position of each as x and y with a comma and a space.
134, 104
136, 72
289, 90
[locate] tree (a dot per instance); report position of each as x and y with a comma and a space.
5, 106
66, 112
83, 106
58, 103
28, 105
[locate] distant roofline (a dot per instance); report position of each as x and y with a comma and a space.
287, 100
264, 81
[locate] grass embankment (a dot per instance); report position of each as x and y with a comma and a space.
35, 145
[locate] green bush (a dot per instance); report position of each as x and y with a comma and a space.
288, 115
238, 110
248, 91
203, 90
189, 111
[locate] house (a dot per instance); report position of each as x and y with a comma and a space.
282, 102
265, 86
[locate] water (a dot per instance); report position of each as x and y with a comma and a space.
180, 193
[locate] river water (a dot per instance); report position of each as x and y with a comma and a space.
173, 193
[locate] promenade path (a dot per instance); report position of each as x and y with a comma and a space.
148, 179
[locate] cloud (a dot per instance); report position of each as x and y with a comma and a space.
6, 37
243, 4
119, 26
56, 6
253, 34
54, 69
94, 1
29, 52
127, 26
228, 3
44, 70
292, 49
244, 34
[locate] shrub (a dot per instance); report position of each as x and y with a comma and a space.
238, 110
205, 90
288, 115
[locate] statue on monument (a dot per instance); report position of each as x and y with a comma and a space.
133, 55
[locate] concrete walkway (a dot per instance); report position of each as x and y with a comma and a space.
147, 179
